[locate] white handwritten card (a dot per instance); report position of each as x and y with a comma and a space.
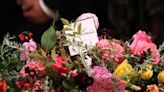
86, 39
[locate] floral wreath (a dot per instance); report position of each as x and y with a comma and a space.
110, 66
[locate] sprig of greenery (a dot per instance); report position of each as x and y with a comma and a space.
161, 47
10, 63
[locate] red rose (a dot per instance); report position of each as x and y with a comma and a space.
3, 86
58, 65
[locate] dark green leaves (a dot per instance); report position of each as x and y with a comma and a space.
48, 39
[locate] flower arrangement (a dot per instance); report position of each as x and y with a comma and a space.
110, 66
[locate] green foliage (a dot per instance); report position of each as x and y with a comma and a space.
48, 39
70, 86
10, 63
161, 47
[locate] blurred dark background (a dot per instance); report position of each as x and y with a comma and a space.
128, 16
122, 18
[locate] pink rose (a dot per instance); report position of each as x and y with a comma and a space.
30, 46
142, 36
142, 43
89, 15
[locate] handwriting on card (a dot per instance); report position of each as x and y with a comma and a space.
85, 40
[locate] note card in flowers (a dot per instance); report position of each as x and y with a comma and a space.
84, 32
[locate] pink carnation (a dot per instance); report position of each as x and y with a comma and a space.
101, 72
33, 65
89, 15
103, 81
142, 43
103, 43
30, 46
108, 54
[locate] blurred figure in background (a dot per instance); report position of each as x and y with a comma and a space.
36, 15
27, 16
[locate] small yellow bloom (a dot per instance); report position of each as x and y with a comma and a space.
123, 68
161, 76
149, 66
146, 75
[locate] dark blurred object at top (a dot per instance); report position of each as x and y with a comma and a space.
122, 17
13, 21
128, 16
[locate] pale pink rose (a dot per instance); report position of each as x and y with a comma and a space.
142, 43
89, 15
103, 43
30, 46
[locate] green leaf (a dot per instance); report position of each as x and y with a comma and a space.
75, 24
76, 33
48, 39
79, 28
70, 34
43, 53
67, 29
53, 54
35, 55
64, 21
68, 84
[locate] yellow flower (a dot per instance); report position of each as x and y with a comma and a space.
161, 76
149, 66
124, 68
146, 75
